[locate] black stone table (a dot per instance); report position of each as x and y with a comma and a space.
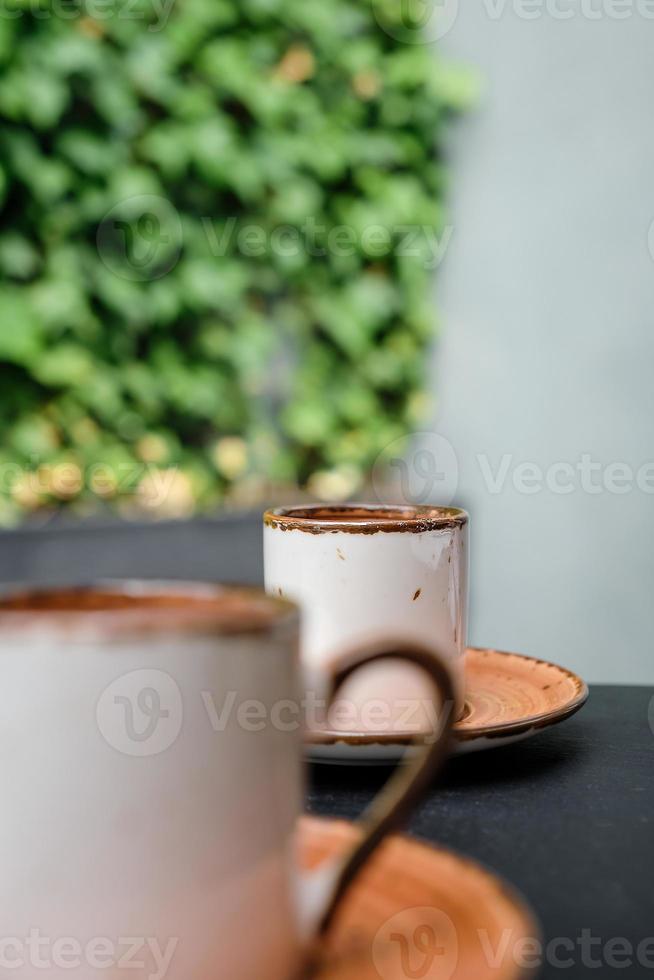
567, 817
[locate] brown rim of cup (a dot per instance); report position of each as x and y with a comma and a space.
364, 518
138, 608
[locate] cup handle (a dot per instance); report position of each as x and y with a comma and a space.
322, 889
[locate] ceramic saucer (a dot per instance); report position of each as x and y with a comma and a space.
508, 697
418, 911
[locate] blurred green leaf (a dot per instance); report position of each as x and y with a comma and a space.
204, 211
21, 334
66, 364
18, 257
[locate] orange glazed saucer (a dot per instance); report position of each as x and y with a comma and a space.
419, 912
508, 697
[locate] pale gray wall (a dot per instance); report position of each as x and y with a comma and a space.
547, 351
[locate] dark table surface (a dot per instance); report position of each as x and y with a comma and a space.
567, 817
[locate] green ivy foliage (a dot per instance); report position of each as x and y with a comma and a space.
207, 287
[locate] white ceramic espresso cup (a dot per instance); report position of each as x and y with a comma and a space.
151, 771
365, 573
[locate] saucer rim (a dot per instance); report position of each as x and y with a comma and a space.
496, 881
497, 730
